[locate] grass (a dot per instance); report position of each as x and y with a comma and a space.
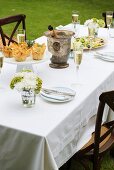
40, 14
55, 12
107, 164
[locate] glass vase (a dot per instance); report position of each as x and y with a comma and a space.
92, 30
28, 97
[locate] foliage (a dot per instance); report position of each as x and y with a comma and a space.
40, 14
96, 22
26, 79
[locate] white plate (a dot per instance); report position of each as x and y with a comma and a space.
107, 56
58, 98
29, 59
86, 38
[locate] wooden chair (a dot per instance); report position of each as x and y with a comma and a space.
104, 16
18, 19
102, 139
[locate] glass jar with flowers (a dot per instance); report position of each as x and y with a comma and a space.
29, 84
93, 25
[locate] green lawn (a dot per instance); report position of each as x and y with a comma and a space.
41, 13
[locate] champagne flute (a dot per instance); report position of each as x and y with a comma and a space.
90, 45
77, 54
109, 16
91, 36
75, 16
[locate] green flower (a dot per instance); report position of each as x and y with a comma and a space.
101, 23
26, 79
95, 20
14, 81
38, 85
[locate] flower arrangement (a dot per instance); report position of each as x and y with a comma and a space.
97, 22
26, 79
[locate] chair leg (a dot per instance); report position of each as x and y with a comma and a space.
68, 165
84, 164
112, 152
97, 164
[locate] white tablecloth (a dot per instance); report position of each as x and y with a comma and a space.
45, 136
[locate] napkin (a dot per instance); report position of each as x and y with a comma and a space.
56, 97
67, 27
108, 54
60, 27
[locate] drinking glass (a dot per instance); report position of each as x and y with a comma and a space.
90, 45
20, 36
75, 16
77, 55
111, 30
91, 30
77, 29
1, 62
109, 16
91, 36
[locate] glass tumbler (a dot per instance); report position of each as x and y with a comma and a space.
28, 97
20, 36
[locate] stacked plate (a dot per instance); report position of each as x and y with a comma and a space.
57, 94
107, 56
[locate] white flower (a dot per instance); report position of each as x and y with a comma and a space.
26, 79
87, 22
97, 22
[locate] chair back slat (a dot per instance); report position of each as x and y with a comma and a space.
106, 98
103, 137
8, 20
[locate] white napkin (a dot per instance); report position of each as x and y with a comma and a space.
108, 56
56, 97
67, 27
60, 27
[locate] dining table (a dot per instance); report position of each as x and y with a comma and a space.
47, 135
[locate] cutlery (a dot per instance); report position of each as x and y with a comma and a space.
52, 91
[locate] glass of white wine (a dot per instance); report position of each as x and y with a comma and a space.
75, 17
20, 36
109, 16
77, 55
1, 62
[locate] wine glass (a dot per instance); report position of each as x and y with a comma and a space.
77, 55
75, 16
91, 36
77, 29
20, 36
1, 62
109, 16
111, 30
90, 45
